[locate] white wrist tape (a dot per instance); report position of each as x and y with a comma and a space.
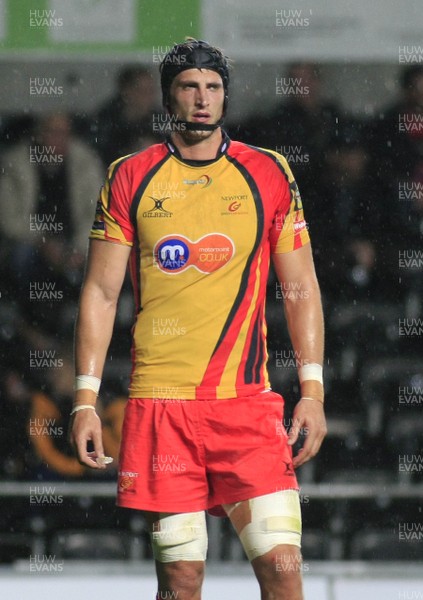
87, 382
81, 407
312, 371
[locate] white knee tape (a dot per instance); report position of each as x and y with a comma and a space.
275, 519
180, 537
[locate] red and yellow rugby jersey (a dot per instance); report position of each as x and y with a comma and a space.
201, 236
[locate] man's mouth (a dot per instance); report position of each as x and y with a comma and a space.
200, 117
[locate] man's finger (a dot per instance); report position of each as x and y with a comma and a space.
311, 447
303, 455
295, 430
85, 457
98, 447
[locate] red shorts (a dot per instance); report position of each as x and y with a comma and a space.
188, 456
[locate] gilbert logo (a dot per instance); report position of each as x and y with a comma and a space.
204, 181
158, 210
176, 253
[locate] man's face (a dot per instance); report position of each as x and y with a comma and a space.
55, 131
197, 96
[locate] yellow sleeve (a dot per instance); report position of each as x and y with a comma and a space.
291, 227
112, 219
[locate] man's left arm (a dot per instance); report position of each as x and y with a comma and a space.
304, 315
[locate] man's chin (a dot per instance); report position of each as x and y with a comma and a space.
195, 135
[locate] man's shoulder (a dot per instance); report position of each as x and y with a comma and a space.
242, 151
143, 159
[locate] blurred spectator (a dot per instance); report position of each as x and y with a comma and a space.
122, 122
397, 152
398, 165
343, 219
299, 128
48, 189
49, 419
47, 296
14, 411
398, 131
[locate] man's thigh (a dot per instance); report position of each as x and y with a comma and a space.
177, 536
266, 522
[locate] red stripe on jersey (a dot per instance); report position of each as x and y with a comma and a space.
299, 226
258, 349
218, 361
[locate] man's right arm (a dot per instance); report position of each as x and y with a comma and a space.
106, 267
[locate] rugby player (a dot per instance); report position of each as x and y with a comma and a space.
199, 217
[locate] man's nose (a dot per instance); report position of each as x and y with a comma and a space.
202, 97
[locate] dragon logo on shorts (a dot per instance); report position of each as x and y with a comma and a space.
127, 481
176, 253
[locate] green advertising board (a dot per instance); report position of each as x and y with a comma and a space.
96, 26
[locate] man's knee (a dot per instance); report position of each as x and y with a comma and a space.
180, 577
279, 572
281, 562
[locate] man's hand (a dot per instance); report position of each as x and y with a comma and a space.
308, 417
86, 426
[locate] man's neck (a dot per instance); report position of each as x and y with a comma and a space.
205, 149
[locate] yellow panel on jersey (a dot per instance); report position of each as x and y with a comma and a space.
202, 234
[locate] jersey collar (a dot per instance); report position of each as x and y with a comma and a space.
221, 150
